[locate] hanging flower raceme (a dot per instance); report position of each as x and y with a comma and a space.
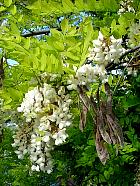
126, 6
85, 75
106, 50
103, 52
47, 113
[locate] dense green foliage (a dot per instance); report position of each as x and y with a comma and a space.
69, 27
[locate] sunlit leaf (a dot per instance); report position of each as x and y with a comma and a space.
7, 2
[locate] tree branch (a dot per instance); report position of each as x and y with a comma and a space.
112, 65
35, 33
129, 51
40, 32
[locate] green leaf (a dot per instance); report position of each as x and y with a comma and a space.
90, 5
72, 31
44, 61
31, 61
113, 25
35, 6
68, 5
131, 101
79, 4
102, 178
107, 174
27, 43
138, 79
36, 51
105, 31
2, 8
15, 29
64, 25
71, 56
7, 107
13, 9
58, 45
20, 18
11, 45
55, 33
7, 2
110, 79
74, 48
110, 5
53, 64
15, 94
86, 42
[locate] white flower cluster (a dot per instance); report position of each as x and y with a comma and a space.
21, 140
47, 113
52, 77
35, 100
126, 6
86, 74
105, 51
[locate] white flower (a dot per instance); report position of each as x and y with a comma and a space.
38, 143
63, 124
21, 148
20, 109
65, 109
61, 90
104, 53
33, 140
46, 138
60, 136
47, 108
100, 37
126, 6
38, 152
14, 145
54, 76
49, 166
75, 68
17, 152
49, 170
69, 116
33, 157
40, 160
43, 119
16, 140
35, 168
99, 49
71, 87
69, 101
20, 156
42, 166
52, 118
97, 42
61, 115
38, 147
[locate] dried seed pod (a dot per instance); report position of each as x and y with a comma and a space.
101, 149
83, 117
102, 128
112, 121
